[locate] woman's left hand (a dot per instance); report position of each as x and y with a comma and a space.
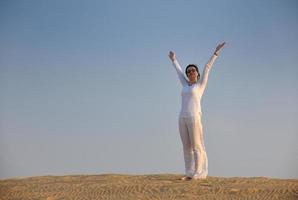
219, 47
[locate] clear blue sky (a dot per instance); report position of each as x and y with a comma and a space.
86, 87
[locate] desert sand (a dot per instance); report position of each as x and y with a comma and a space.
158, 186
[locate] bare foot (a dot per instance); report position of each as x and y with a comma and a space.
185, 178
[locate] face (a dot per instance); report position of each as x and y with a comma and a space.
192, 73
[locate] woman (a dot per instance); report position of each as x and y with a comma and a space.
190, 126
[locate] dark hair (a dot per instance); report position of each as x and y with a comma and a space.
192, 65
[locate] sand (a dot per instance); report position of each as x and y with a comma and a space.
158, 186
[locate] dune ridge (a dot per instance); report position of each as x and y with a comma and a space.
154, 186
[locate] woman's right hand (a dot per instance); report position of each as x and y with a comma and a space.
172, 56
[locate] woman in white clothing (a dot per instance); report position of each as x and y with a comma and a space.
190, 126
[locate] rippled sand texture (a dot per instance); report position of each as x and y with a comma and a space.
163, 186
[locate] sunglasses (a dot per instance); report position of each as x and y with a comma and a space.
191, 70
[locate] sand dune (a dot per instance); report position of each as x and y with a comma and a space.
159, 186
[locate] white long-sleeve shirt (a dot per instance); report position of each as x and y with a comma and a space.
192, 94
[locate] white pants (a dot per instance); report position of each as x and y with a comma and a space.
195, 157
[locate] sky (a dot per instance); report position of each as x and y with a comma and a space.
86, 87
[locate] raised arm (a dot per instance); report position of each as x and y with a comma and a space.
203, 81
177, 66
